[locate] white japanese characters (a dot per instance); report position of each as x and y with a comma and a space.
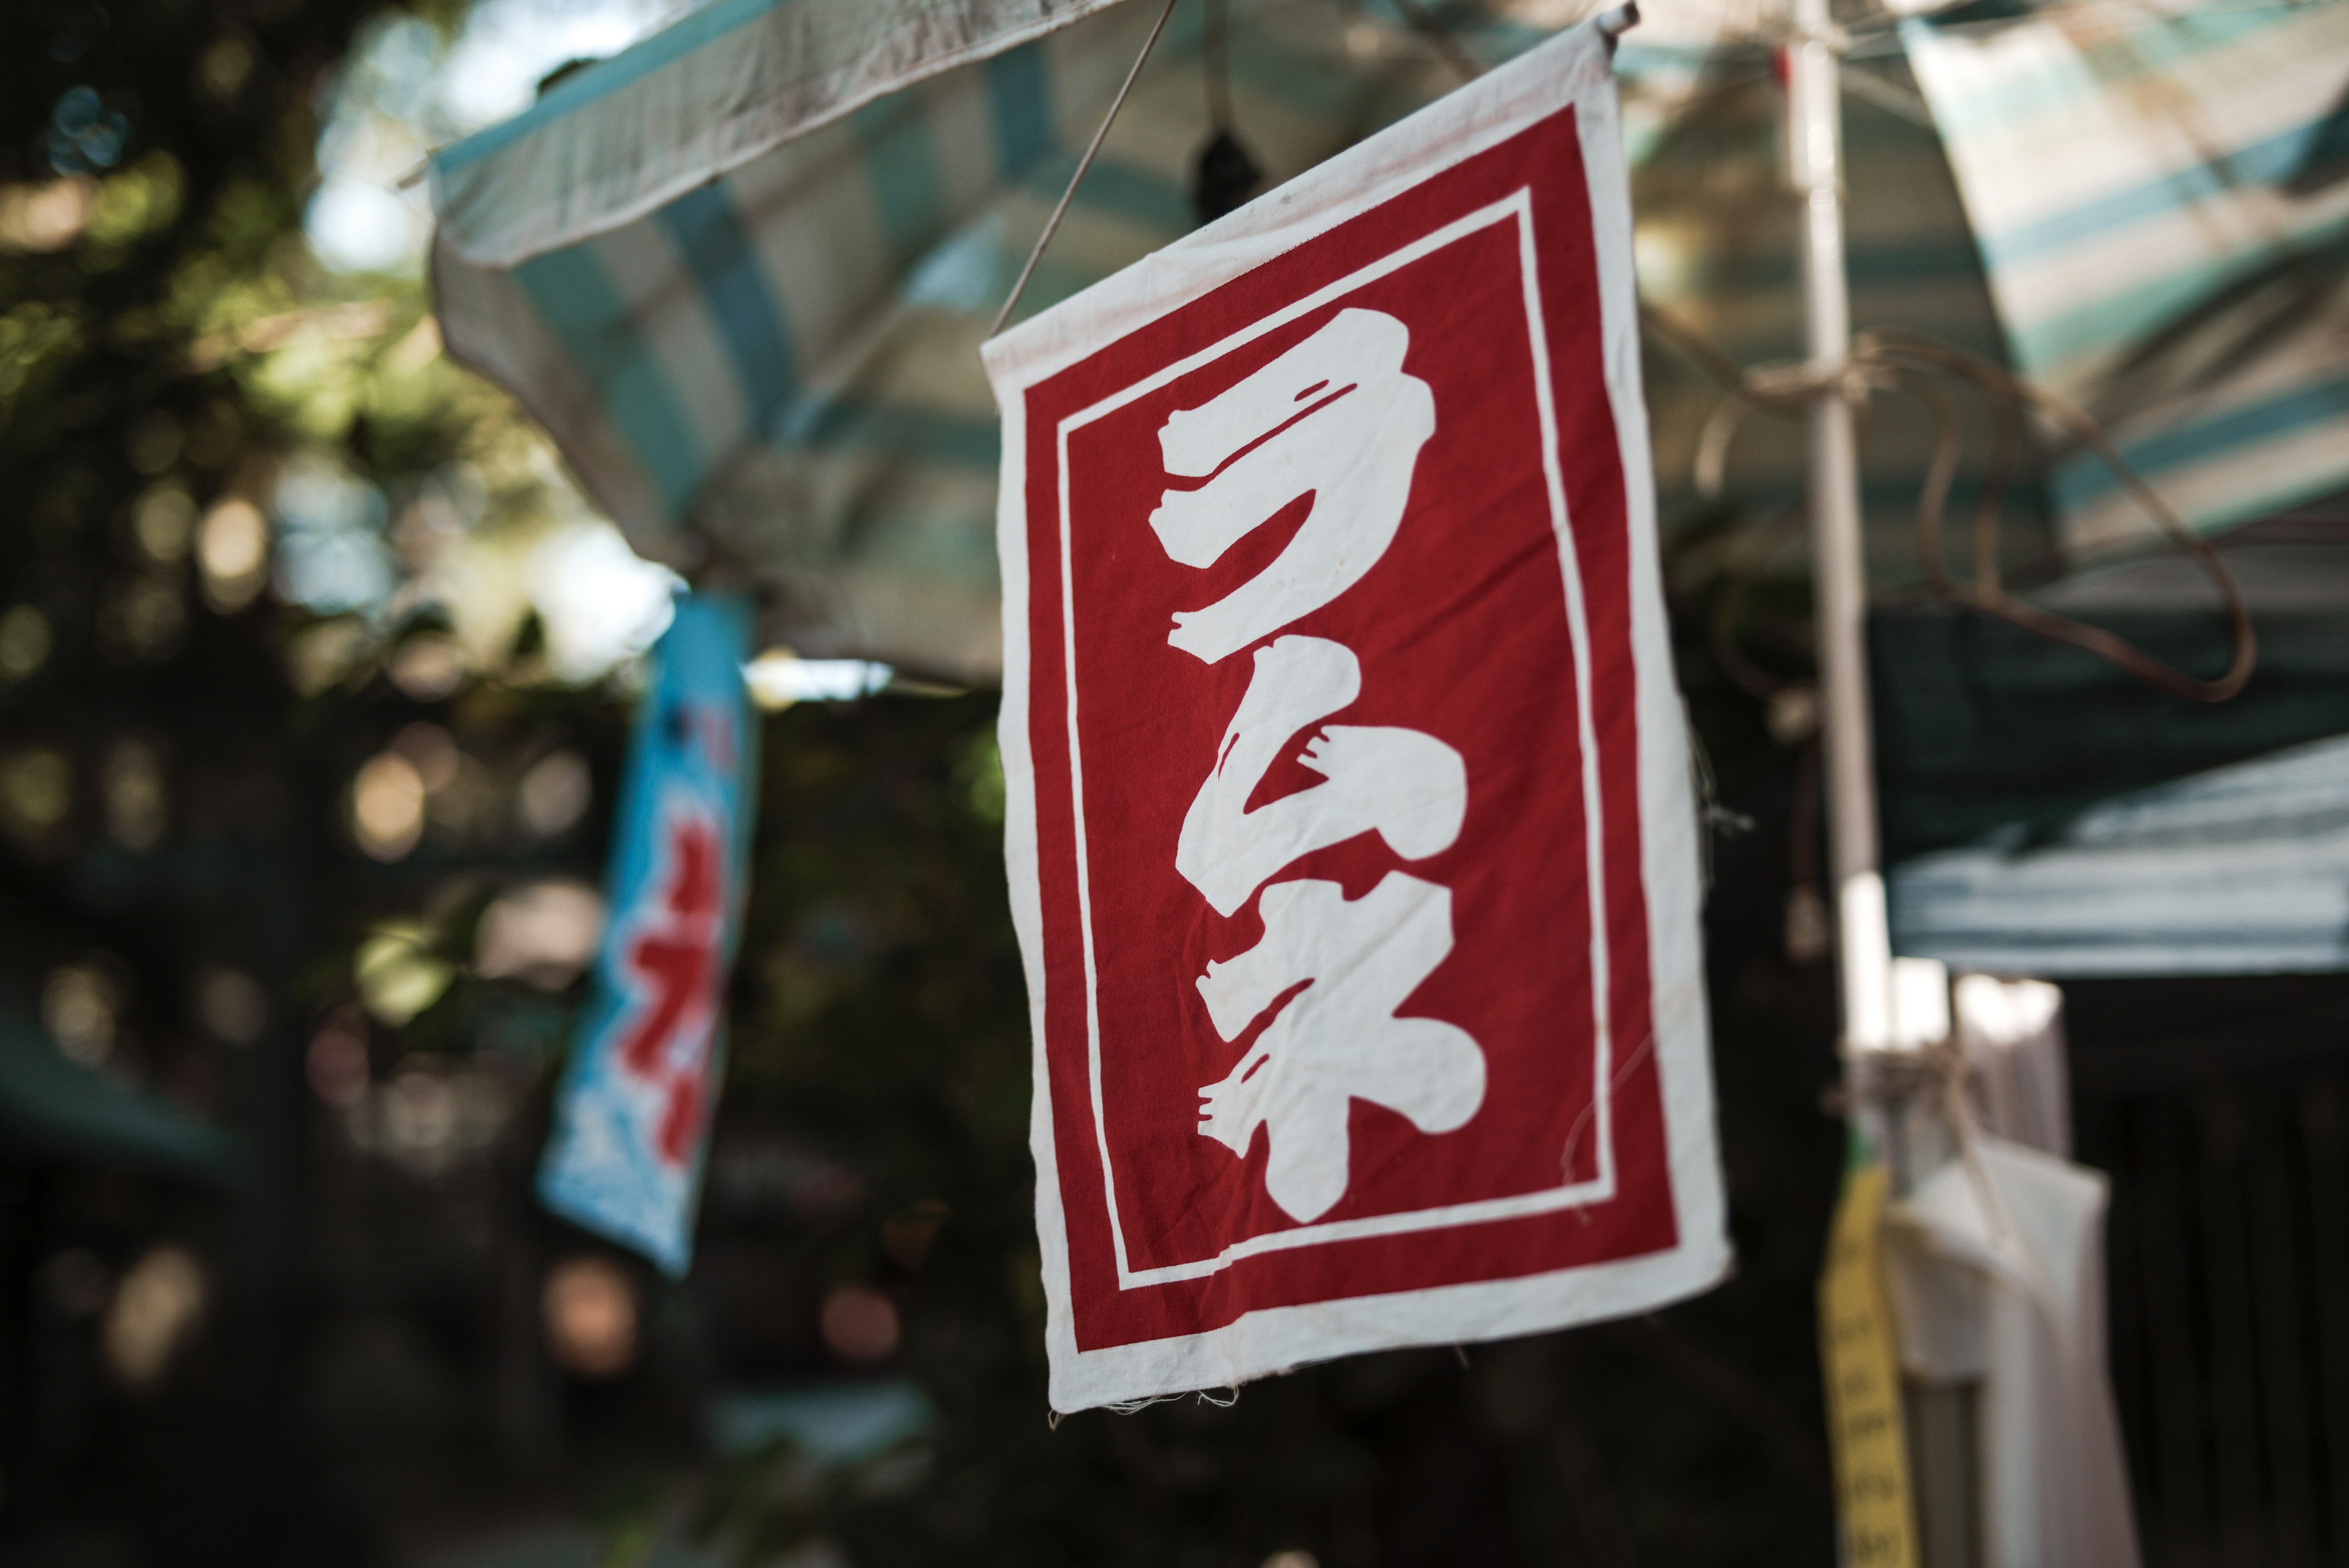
1339, 1039
1335, 418
1406, 786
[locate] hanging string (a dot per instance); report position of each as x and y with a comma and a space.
1224, 175
1745, 563
1438, 33
1912, 362
1053, 224
1214, 59
1899, 350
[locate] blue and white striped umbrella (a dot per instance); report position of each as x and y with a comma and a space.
741, 271
2160, 191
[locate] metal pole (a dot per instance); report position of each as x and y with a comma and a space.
1815, 162
1938, 1427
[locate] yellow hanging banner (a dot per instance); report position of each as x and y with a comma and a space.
1863, 1378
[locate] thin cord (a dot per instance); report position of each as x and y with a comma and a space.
1053, 224
1432, 27
1215, 59
1897, 357
1699, 348
1891, 347
1742, 566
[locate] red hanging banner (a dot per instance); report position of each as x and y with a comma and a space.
1352, 843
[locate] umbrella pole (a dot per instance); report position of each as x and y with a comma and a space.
1814, 161
1936, 1433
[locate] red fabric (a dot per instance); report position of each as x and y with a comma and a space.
678, 962
1462, 632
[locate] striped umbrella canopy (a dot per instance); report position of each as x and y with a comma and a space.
2159, 190
741, 271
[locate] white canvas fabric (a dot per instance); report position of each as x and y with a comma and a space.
711, 93
1994, 1266
2010, 1032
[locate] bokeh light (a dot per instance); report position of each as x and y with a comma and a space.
432, 749
48, 216
544, 933
232, 549
589, 1310
143, 615
336, 1066
79, 1006
398, 973
599, 600
84, 135
779, 677
24, 641
154, 1311
859, 1324
331, 554
132, 787
410, 87
163, 524
230, 1005
388, 806
554, 793
36, 793
428, 668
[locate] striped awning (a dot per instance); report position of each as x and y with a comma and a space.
2160, 193
2048, 814
740, 271
2242, 870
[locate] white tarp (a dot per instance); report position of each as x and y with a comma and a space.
708, 93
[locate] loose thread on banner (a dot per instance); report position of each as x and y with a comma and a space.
1053, 224
1204, 1395
1574, 1134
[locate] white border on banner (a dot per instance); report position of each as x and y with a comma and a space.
1570, 71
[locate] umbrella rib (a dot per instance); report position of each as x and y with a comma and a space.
1053, 224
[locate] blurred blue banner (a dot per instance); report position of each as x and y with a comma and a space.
626, 1157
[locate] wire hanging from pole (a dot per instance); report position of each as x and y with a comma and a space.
1438, 33
1214, 59
1892, 349
1910, 361
1224, 175
1053, 224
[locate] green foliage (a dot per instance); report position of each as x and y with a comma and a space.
177, 744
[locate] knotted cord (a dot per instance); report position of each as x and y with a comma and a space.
1921, 366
